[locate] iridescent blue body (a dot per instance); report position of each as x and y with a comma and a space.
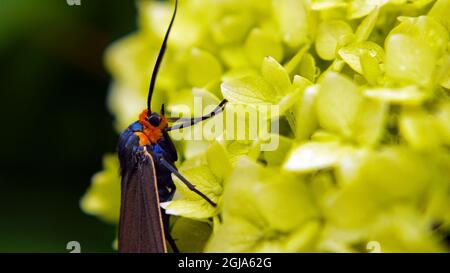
130, 150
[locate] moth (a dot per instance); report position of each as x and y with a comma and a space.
147, 158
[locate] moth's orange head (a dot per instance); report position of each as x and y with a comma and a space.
153, 124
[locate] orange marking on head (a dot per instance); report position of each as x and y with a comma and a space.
143, 118
143, 139
153, 134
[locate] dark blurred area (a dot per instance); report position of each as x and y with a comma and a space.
55, 123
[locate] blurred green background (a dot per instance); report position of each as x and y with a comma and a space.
55, 123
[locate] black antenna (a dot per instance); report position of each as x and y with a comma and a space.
159, 60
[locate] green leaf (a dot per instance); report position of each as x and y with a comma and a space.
308, 68
194, 209
321, 135
249, 90
410, 60
443, 73
338, 103
443, 121
330, 36
289, 104
294, 95
190, 235
419, 129
238, 149
202, 68
408, 95
410, 232
290, 100
360, 8
396, 172
238, 235
232, 28
353, 208
439, 12
327, 4
313, 156
373, 179
353, 53
279, 197
364, 29
293, 18
295, 61
234, 57
218, 160
425, 29
371, 67
305, 238
269, 215
371, 121
277, 157
189, 204
103, 196
276, 75
261, 44
306, 117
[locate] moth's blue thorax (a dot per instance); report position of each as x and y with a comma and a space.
136, 127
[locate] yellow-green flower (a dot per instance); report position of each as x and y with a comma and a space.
364, 140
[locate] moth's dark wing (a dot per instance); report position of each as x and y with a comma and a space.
127, 147
141, 229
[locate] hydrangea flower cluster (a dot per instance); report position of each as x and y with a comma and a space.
364, 151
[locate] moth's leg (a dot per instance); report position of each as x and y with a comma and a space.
185, 181
172, 188
166, 219
171, 241
186, 122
